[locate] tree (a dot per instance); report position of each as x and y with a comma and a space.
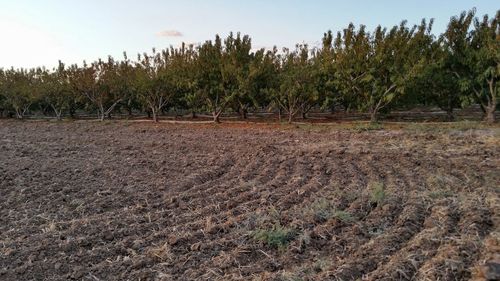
182, 72
425, 80
236, 61
192, 97
297, 89
262, 79
122, 84
452, 63
210, 80
56, 90
20, 90
352, 53
324, 66
371, 72
153, 81
3, 103
95, 82
395, 56
483, 64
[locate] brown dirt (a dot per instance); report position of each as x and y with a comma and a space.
142, 201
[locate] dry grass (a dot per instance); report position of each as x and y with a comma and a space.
161, 253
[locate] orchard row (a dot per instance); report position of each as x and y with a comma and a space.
354, 70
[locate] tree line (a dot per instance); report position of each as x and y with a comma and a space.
353, 70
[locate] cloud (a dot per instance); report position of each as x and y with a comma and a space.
169, 33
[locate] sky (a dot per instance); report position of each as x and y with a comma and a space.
39, 33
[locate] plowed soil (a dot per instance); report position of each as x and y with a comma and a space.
142, 201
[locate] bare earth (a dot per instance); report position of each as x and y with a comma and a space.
143, 201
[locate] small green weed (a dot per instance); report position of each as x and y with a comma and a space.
277, 237
363, 127
377, 193
322, 210
343, 216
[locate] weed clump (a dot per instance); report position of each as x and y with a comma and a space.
343, 216
277, 237
364, 127
377, 193
322, 210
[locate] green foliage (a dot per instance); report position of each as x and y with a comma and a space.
450, 67
298, 88
97, 84
221, 72
359, 70
20, 89
153, 82
262, 80
352, 48
483, 65
343, 216
236, 69
363, 127
322, 210
328, 94
277, 236
377, 193
55, 90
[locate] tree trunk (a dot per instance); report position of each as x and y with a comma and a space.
279, 115
304, 115
155, 114
58, 114
492, 104
193, 114
243, 113
216, 117
101, 113
290, 118
449, 109
449, 114
373, 117
490, 114
20, 112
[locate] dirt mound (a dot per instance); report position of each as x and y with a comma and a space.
142, 201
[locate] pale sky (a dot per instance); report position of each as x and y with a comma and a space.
40, 32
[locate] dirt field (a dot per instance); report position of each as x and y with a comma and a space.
142, 201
